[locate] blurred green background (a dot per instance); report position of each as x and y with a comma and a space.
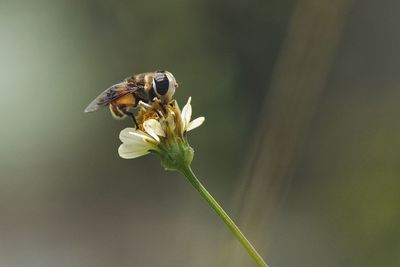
300, 145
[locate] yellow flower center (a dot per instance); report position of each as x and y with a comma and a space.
158, 112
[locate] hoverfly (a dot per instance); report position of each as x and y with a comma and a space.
121, 98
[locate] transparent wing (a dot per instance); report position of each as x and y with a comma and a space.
109, 95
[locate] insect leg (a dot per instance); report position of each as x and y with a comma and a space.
147, 106
130, 114
125, 111
144, 105
116, 112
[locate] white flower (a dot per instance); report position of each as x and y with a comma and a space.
136, 143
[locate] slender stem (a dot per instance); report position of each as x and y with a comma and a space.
187, 171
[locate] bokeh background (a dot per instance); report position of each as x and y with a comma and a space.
300, 145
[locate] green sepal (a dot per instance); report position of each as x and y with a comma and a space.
175, 155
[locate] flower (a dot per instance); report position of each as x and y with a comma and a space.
161, 130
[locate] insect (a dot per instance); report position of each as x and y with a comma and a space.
121, 98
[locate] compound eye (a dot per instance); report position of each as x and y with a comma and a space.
161, 84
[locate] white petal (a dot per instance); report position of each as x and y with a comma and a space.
186, 114
154, 129
156, 126
195, 123
127, 136
133, 136
130, 151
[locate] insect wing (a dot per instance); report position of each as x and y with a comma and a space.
109, 95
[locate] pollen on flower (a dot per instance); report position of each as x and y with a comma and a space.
144, 115
167, 114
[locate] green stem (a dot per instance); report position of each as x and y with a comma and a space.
187, 171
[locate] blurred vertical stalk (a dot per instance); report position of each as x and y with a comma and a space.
189, 174
306, 57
